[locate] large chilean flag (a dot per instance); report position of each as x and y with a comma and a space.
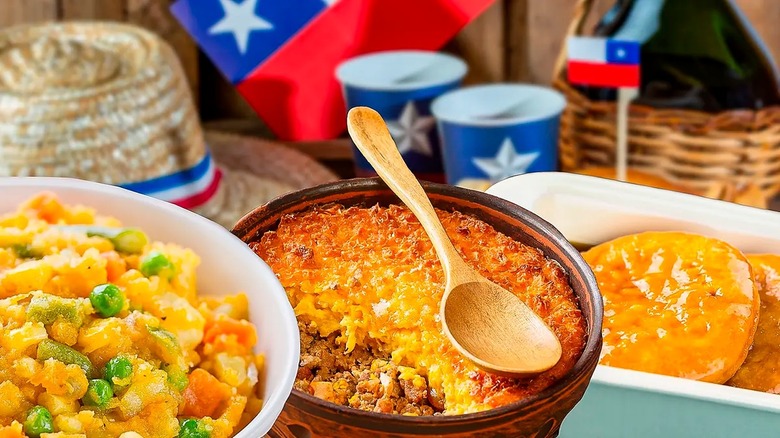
603, 62
282, 54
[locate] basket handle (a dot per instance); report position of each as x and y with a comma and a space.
581, 11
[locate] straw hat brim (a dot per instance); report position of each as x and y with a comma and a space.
256, 171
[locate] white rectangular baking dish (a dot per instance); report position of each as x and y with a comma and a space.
625, 403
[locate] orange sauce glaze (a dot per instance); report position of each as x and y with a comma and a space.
675, 303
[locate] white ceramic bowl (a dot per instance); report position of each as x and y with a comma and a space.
227, 266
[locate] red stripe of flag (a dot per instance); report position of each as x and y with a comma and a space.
295, 91
603, 75
200, 198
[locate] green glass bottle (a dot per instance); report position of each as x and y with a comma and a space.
696, 54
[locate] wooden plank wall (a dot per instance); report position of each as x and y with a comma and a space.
514, 40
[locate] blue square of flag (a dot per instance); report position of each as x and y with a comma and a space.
622, 52
239, 35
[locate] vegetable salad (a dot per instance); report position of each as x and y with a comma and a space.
103, 334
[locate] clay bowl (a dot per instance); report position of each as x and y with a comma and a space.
306, 416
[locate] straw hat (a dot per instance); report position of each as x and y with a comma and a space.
109, 102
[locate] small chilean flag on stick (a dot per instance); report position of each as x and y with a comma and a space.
609, 63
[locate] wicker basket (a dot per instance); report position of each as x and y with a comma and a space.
702, 151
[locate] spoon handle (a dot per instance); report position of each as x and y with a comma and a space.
371, 136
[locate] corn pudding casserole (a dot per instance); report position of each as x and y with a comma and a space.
103, 333
366, 287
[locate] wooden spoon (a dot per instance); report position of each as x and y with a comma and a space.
486, 323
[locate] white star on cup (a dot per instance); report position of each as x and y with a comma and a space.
410, 131
506, 163
240, 20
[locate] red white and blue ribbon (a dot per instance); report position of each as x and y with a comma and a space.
188, 188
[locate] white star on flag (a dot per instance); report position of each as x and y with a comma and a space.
410, 131
240, 20
506, 163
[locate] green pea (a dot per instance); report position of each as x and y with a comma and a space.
107, 299
119, 367
157, 263
191, 428
130, 240
38, 421
98, 393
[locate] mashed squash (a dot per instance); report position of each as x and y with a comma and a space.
103, 333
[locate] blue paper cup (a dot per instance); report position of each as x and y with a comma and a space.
400, 86
492, 132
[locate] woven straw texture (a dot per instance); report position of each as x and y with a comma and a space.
738, 149
101, 101
109, 102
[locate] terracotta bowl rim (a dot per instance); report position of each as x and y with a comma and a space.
358, 185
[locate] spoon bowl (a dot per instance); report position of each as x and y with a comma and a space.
486, 323
476, 318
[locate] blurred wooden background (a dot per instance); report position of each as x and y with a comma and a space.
514, 40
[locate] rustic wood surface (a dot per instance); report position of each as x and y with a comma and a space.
23, 11
86, 9
482, 43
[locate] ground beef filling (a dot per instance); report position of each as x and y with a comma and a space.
359, 380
